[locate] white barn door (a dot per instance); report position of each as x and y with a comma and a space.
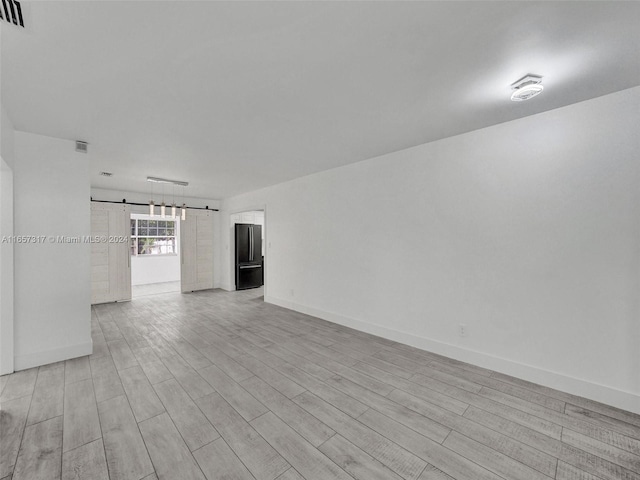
196, 251
110, 260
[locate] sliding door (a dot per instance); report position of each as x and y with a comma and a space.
110, 252
196, 251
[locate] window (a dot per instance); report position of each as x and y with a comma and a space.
153, 237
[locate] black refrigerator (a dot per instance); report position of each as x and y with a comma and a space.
248, 256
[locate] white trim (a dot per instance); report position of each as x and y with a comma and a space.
22, 362
576, 386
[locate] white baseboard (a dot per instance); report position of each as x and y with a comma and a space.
30, 360
576, 386
227, 287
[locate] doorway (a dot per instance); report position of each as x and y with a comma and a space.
155, 255
248, 249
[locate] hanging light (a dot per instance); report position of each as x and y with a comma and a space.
152, 206
173, 202
163, 206
183, 212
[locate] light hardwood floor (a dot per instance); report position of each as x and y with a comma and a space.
218, 385
154, 289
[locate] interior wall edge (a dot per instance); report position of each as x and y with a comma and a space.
6, 249
36, 359
568, 384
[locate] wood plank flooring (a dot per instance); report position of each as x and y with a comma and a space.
220, 385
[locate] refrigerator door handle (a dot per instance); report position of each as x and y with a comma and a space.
244, 267
251, 229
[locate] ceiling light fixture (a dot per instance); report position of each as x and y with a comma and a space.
183, 209
173, 202
164, 180
163, 206
527, 87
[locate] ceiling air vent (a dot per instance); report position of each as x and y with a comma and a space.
527, 87
81, 146
11, 12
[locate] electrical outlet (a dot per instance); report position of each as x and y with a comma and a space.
462, 330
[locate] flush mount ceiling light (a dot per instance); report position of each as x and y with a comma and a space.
527, 87
164, 180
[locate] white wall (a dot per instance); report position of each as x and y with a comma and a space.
6, 248
7, 138
147, 269
52, 280
118, 195
528, 232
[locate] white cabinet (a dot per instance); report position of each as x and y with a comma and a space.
255, 217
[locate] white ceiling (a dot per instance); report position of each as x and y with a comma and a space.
234, 96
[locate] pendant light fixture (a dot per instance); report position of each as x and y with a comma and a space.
183, 210
163, 206
152, 206
173, 202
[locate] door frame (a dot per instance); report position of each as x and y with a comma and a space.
232, 242
135, 214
